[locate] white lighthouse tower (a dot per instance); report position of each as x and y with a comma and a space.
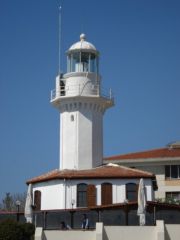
79, 98
82, 180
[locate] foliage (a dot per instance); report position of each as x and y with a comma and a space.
9, 201
11, 230
169, 200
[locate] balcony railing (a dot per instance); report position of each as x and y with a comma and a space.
111, 215
80, 90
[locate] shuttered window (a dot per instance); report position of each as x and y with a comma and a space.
91, 195
106, 193
37, 200
82, 195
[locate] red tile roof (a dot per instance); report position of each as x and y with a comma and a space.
154, 153
103, 172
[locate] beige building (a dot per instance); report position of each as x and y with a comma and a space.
163, 162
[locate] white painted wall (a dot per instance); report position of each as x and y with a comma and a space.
52, 194
129, 233
172, 232
58, 194
81, 83
69, 235
68, 140
81, 135
158, 232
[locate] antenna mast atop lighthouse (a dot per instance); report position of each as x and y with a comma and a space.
59, 43
79, 98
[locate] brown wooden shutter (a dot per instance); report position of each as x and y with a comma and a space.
91, 195
106, 193
37, 200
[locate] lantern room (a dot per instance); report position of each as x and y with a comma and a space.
82, 57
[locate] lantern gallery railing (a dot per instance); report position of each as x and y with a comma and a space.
80, 90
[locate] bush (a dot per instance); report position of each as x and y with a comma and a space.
11, 230
169, 200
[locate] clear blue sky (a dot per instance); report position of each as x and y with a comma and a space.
139, 41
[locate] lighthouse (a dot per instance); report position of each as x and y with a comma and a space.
82, 180
79, 98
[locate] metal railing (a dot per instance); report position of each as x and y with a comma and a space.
119, 215
80, 90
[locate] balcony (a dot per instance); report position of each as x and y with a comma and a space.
80, 90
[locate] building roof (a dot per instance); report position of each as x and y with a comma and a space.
168, 152
82, 45
112, 171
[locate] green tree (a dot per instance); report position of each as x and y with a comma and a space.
9, 201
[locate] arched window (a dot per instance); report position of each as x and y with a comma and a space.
131, 192
82, 195
37, 200
106, 193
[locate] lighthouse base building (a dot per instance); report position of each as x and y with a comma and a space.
110, 184
82, 180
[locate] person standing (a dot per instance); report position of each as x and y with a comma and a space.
85, 222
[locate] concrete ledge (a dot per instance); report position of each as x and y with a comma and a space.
112, 232
160, 230
69, 234
38, 234
172, 231
99, 231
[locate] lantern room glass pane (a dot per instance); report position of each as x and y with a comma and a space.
84, 66
75, 60
93, 63
82, 62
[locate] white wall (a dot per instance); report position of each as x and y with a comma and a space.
70, 235
68, 140
172, 231
158, 232
58, 194
119, 191
81, 139
129, 233
52, 194
80, 83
